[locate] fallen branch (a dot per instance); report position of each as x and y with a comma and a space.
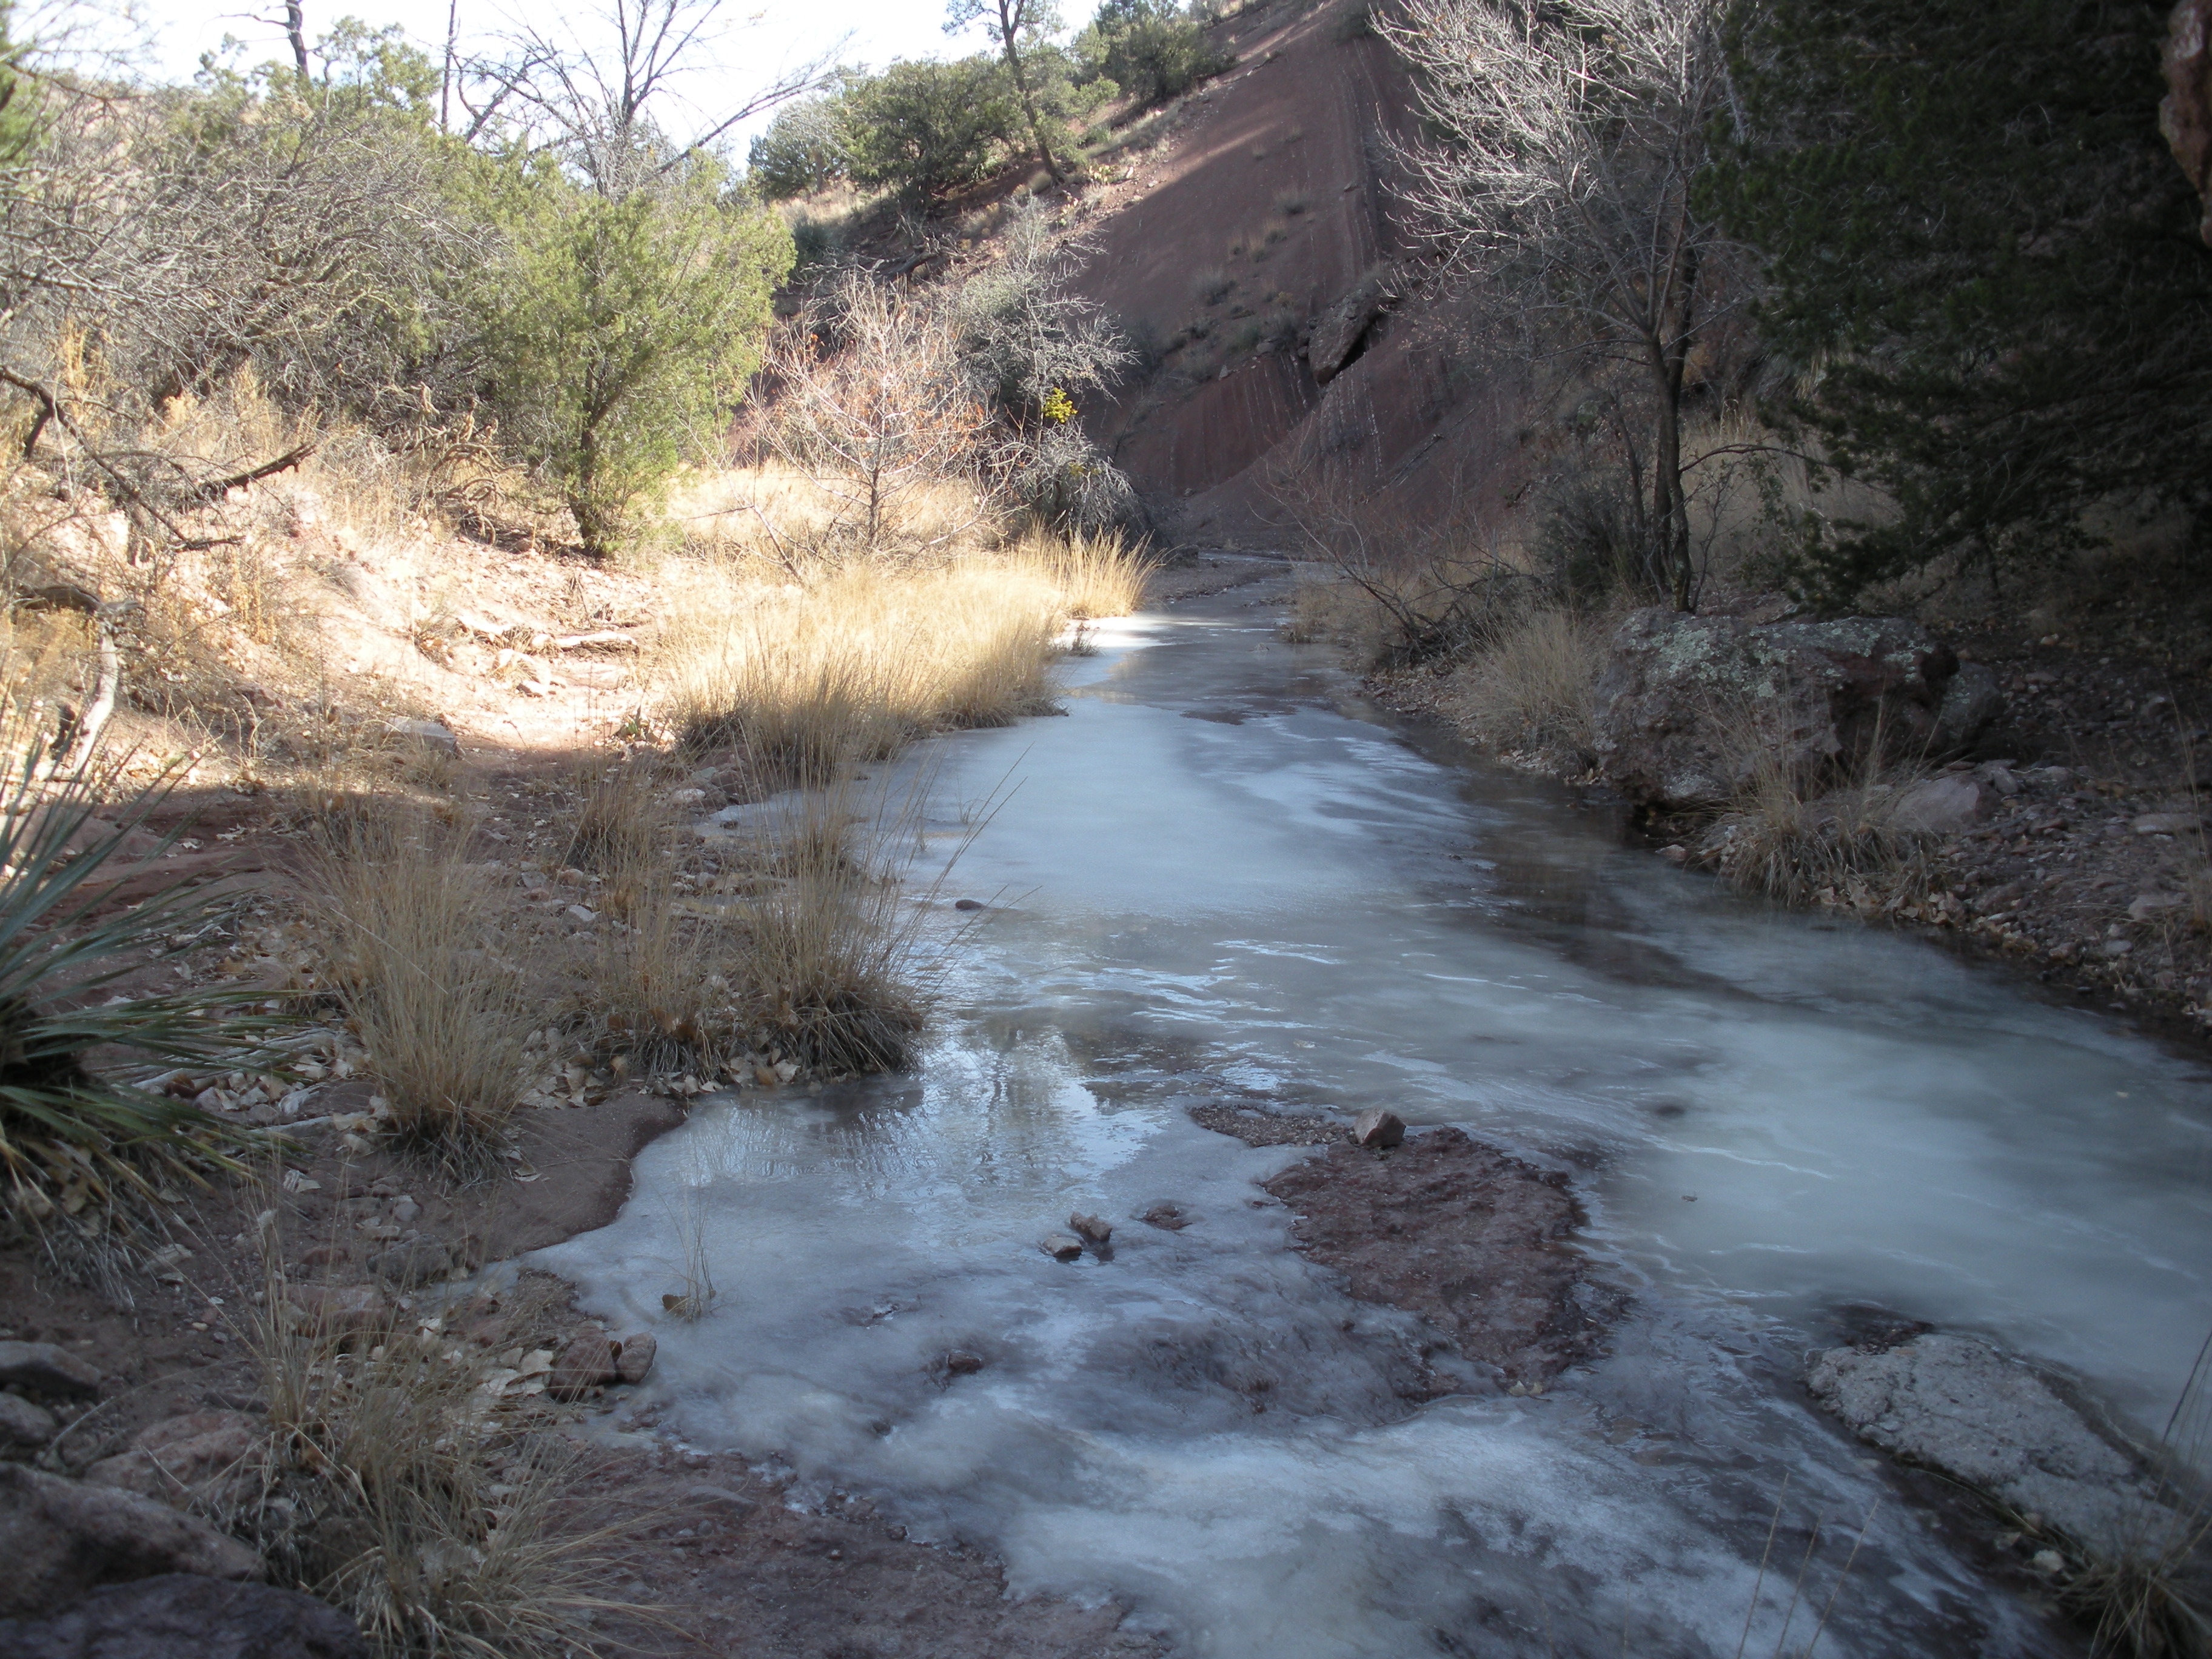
215, 489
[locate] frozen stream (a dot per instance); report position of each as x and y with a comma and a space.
1220, 879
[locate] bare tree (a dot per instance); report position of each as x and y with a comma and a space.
1575, 135
869, 397
1017, 24
592, 97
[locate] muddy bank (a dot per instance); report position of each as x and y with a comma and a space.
1477, 1242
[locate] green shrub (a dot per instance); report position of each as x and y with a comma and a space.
621, 327
1150, 49
926, 129
79, 1144
807, 148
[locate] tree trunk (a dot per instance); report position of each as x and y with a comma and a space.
1670, 354
1009, 30
295, 30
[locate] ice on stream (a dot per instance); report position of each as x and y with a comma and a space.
1212, 880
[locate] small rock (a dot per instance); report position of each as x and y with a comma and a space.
2146, 905
22, 1424
418, 1261
2167, 823
406, 1211
583, 914
327, 1255
2047, 1561
62, 1538
961, 1363
1095, 1228
1061, 1247
42, 1368
340, 1310
1377, 1127
1169, 1218
426, 733
634, 1358
1675, 854
2117, 947
588, 1362
967, 904
183, 1616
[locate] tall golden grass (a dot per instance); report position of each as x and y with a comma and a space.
1531, 685
811, 669
442, 1013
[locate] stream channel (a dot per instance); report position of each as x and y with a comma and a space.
1222, 876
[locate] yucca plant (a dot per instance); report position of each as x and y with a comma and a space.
77, 1138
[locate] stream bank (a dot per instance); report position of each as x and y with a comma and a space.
1224, 878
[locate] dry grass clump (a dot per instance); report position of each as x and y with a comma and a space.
775, 515
826, 949
441, 1013
1531, 685
1100, 575
392, 1484
806, 679
1801, 831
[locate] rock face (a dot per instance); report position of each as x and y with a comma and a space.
1690, 707
1466, 1234
588, 1362
634, 1359
1959, 1406
2186, 115
1378, 1129
178, 1616
1340, 330
203, 1455
23, 1423
61, 1539
41, 1368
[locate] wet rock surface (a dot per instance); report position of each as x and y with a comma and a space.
1471, 1238
1959, 1406
181, 1616
1258, 1129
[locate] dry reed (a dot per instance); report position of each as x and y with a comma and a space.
1532, 685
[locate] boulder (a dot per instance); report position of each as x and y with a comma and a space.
587, 1363
1169, 1218
180, 1616
1341, 328
1972, 699
1691, 707
42, 1368
22, 1424
1061, 1247
1094, 1228
1942, 805
634, 1358
1957, 1405
62, 1538
2184, 115
1378, 1129
209, 1455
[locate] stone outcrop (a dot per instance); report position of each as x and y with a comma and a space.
61, 1539
1340, 330
207, 1455
2186, 115
1957, 1405
1691, 707
180, 1616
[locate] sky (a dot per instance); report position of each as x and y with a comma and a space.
762, 38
